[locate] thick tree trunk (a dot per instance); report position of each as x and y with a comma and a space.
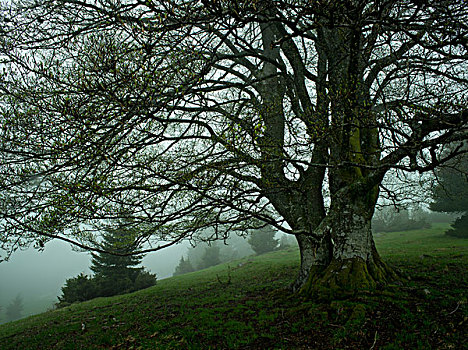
315, 256
346, 262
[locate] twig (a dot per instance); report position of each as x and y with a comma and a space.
336, 325
458, 305
375, 341
229, 277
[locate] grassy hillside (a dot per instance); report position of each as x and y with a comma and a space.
243, 305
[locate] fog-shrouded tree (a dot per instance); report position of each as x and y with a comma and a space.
263, 240
450, 194
286, 242
14, 310
228, 116
211, 257
388, 219
185, 266
235, 247
117, 269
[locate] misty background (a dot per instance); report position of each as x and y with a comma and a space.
38, 276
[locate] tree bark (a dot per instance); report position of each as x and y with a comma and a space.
315, 256
346, 261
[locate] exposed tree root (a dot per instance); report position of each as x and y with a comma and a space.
344, 278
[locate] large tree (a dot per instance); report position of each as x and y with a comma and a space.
226, 115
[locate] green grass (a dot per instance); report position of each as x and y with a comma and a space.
417, 242
202, 310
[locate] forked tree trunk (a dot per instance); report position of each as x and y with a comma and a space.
346, 261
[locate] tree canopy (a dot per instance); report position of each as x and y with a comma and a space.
226, 115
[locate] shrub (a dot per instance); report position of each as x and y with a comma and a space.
83, 287
77, 289
108, 286
144, 279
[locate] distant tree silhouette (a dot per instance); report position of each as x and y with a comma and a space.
451, 194
211, 257
263, 240
14, 311
185, 266
390, 220
286, 242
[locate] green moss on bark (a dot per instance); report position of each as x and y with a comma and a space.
343, 278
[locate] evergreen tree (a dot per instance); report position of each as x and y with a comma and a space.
451, 194
111, 265
14, 311
117, 273
211, 257
185, 266
263, 240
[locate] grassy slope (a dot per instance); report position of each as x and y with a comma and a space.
202, 311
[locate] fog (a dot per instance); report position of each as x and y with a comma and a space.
39, 276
